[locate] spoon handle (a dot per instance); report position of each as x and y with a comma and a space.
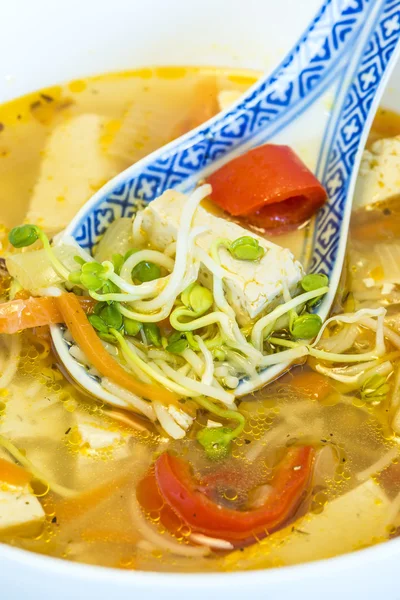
273, 102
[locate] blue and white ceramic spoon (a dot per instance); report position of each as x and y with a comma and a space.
320, 100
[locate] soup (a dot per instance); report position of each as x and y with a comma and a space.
178, 472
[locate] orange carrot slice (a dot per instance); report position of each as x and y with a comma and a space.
87, 339
20, 314
13, 474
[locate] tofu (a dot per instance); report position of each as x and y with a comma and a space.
347, 523
20, 511
96, 440
256, 287
40, 415
73, 168
96, 434
379, 175
37, 415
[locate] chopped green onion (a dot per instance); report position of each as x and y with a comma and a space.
79, 260
132, 327
77, 291
112, 316
219, 354
152, 333
93, 276
110, 288
26, 235
117, 261
374, 389
314, 281
75, 277
186, 294
216, 441
146, 271
218, 445
107, 337
177, 346
99, 307
129, 253
246, 248
98, 323
306, 326
23, 236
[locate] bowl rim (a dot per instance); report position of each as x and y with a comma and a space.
156, 579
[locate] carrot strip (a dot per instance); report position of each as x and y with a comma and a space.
13, 474
26, 313
67, 509
89, 342
312, 384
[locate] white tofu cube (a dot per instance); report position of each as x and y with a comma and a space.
346, 524
96, 434
33, 412
20, 511
257, 286
379, 175
73, 168
96, 439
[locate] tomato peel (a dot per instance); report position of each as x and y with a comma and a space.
185, 495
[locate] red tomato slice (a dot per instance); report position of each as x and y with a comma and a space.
270, 186
184, 494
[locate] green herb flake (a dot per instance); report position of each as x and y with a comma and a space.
216, 441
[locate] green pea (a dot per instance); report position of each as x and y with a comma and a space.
152, 333
98, 323
306, 326
177, 346
23, 236
314, 281
132, 327
246, 248
117, 261
112, 316
216, 441
146, 271
129, 253
200, 299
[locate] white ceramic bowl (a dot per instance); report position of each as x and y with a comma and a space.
44, 42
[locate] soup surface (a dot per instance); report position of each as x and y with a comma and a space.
77, 477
